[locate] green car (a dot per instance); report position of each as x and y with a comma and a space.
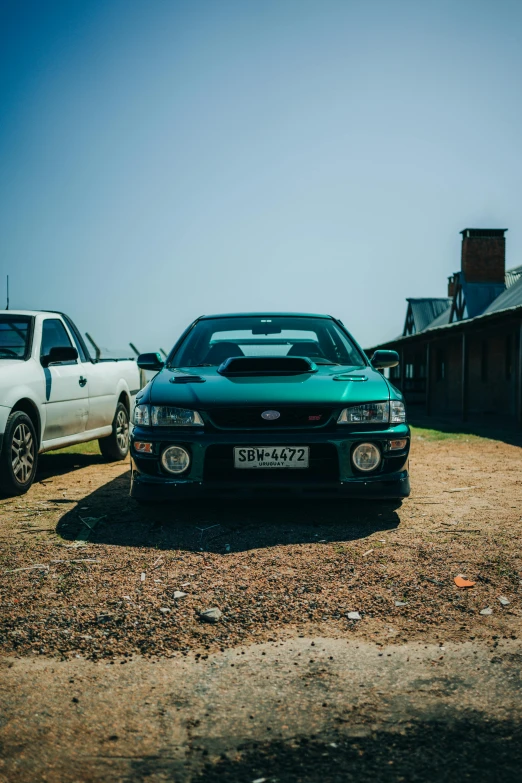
269, 404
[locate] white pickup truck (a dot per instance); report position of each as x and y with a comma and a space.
52, 394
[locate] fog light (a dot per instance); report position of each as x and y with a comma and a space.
175, 459
143, 448
397, 445
366, 457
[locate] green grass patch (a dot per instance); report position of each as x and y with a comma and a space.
81, 448
422, 433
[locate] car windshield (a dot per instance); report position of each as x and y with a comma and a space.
213, 340
14, 336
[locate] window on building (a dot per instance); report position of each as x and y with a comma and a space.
509, 357
410, 370
484, 361
441, 365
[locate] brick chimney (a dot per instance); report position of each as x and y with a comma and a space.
451, 286
483, 255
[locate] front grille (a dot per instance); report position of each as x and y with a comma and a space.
250, 418
323, 466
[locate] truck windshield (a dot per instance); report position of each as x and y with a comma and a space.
213, 340
15, 333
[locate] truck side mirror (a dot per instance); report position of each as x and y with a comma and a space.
150, 361
59, 354
382, 359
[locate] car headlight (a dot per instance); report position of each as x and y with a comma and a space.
369, 413
392, 412
142, 415
165, 416
397, 412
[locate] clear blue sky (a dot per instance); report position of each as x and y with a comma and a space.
164, 159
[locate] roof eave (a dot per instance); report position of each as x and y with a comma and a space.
455, 326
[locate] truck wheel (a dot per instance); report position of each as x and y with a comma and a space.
19, 455
116, 446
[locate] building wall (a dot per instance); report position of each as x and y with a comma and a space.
493, 373
446, 376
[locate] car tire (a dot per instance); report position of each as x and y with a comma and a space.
116, 446
19, 456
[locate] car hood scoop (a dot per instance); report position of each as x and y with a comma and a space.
266, 365
182, 377
348, 377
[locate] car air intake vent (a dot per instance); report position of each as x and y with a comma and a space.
187, 379
266, 365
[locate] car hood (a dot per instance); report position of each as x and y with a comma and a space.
204, 388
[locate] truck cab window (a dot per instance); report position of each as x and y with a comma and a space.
54, 336
15, 334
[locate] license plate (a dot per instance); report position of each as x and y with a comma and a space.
271, 457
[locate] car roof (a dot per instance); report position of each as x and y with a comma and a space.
30, 313
265, 314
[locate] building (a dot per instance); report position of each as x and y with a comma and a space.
461, 355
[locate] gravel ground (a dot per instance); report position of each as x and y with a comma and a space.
108, 572
302, 711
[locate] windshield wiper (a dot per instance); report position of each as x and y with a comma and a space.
325, 361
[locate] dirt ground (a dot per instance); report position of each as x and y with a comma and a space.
285, 686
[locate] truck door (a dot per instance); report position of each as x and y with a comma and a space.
102, 383
66, 392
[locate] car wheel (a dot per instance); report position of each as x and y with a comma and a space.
19, 455
116, 446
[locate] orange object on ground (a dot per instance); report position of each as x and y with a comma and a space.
461, 582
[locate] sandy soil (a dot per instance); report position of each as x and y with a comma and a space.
98, 588
301, 710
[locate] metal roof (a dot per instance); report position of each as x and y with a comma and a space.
512, 297
441, 319
479, 296
512, 275
424, 311
457, 326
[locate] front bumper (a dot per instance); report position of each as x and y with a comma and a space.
211, 473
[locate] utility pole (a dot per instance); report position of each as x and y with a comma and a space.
7, 305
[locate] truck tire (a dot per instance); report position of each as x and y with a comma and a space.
116, 446
19, 456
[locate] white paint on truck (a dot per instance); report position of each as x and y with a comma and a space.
73, 401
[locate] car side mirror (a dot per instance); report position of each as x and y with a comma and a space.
59, 355
382, 359
150, 361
